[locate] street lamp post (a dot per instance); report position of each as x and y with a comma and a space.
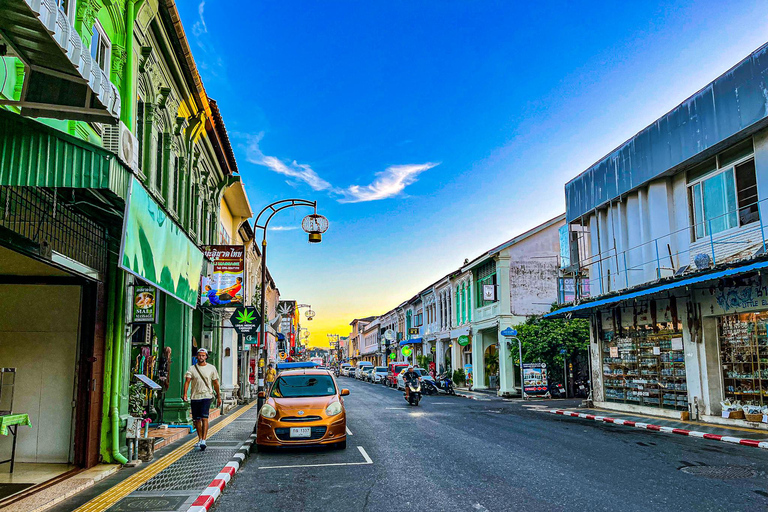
313, 224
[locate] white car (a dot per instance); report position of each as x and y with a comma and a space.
421, 371
379, 374
345, 368
360, 367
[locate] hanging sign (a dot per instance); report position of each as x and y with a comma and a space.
144, 304
535, 380
392, 356
413, 330
463, 340
406, 350
224, 287
245, 320
489, 292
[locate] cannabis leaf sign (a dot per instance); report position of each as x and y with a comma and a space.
245, 320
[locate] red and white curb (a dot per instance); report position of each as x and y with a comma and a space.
208, 497
669, 430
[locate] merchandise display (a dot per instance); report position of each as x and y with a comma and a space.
645, 366
744, 357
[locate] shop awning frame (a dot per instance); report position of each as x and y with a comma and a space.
414, 341
583, 310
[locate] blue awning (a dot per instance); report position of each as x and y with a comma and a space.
585, 307
411, 342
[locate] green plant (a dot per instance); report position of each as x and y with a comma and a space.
136, 400
459, 378
423, 361
492, 363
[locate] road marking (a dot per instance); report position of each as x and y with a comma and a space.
397, 408
365, 455
478, 506
367, 462
349, 432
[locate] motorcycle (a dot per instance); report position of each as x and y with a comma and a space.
414, 396
428, 388
556, 391
445, 384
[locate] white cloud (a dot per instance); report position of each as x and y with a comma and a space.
200, 27
388, 183
294, 170
283, 228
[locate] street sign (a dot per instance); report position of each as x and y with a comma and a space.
246, 320
563, 351
509, 332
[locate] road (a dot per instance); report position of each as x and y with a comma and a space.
453, 453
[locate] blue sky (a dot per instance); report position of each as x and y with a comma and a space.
431, 131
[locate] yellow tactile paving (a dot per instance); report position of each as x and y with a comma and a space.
127, 486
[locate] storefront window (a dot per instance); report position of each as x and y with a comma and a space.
645, 365
744, 357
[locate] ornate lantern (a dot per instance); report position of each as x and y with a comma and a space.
315, 225
310, 314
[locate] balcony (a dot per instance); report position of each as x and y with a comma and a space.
487, 312
61, 81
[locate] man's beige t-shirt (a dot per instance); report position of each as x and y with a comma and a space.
197, 387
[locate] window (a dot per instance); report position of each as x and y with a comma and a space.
140, 129
723, 194
159, 161
101, 47
173, 179
223, 234
486, 275
65, 6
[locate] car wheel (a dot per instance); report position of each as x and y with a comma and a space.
341, 446
261, 448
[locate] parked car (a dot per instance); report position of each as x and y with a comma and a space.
367, 372
344, 369
360, 367
393, 369
421, 371
379, 374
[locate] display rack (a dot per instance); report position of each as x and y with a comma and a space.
744, 357
644, 368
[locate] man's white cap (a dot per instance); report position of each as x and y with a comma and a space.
203, 350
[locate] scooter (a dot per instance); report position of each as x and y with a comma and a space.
445, 384
428, 388
414, 396
556, 391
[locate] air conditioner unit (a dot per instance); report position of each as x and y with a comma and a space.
120, 141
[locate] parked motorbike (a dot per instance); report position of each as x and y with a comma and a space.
582, 388
556, 391
445, 384
414, 396
428, 388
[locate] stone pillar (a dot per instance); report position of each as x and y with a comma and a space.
228, 371
502, 279
478, 361
507, 375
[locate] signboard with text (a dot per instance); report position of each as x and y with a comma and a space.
225, 286
246, 320
144, 304
535, 380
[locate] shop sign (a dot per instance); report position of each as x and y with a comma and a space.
245, 320
463, 341
413, 330
144, 305
225, 286
614, 351
489, 292
155, 249
535, 381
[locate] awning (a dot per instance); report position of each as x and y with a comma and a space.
582, 310
62, 81
414, 341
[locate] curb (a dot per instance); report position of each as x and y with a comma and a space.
669, 430
208, 497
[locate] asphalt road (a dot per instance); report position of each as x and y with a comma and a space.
452, 453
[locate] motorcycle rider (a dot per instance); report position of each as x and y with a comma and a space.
409, 376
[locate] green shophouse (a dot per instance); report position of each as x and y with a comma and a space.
113, 162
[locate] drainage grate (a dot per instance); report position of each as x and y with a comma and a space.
195, 470
720, 472
149, 503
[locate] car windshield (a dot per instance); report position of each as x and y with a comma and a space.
380, 369
296, 386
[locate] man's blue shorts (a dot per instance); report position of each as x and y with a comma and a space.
200, 408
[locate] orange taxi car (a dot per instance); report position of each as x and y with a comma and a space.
303, 407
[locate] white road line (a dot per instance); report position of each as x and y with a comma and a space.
349, 432
397, 408
365, 455
442, 403
367, 462
478, 506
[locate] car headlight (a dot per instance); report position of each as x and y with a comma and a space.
333, 409
268, 411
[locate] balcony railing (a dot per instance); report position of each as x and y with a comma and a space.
678, 253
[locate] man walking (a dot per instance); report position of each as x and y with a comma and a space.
204, 380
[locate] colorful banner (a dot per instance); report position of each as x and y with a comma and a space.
155, 249
535, 381
225, 286
144, 304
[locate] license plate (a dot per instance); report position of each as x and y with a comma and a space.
301, 432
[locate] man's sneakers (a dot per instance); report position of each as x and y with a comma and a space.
197, 445
202, 445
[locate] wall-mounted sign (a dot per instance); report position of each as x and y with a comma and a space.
406, 350
246, 320
413, 330
489, 292
144, 304
535, 381
463, 340
509, 332
224, 287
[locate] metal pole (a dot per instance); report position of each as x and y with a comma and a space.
658, 262
712, 243
565, 375
262, 334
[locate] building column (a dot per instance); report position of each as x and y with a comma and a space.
228, 372
507, 374
177, 335
478, 361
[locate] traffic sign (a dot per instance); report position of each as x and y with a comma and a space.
246, 320
509, 332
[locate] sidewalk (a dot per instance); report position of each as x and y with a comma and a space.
734, 435
177, 478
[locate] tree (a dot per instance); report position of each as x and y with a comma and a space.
543, 339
